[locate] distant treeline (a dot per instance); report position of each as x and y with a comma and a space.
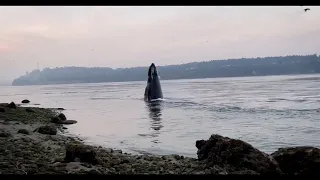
296, 64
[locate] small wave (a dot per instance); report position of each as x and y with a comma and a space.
159, 99
283, 99
70, 92
147, 135
20, 94
101, 98
305, 79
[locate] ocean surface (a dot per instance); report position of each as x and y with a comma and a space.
268, 112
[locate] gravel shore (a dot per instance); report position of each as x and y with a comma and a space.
36, 153
32, 142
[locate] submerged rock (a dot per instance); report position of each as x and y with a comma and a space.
25, 101
235, 155
23, 131
82, 152
50, 130
298, 160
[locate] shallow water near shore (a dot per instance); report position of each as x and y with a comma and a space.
267, 112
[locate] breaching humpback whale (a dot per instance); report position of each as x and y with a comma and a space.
153, 90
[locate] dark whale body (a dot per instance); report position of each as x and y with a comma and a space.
153, 90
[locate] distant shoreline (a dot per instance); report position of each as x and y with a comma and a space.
245, 67
162, 80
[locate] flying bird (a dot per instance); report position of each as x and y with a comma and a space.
305, 10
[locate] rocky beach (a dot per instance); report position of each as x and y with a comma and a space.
32, 141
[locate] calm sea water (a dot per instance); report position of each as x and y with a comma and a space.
267, 112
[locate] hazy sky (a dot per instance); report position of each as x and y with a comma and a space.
136, 36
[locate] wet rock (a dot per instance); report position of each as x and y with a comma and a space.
2, 109
60, 109
62, 116
67, 122
50, 130
83, 152
12, 105
64, 128
4, 104
4, 133
23, 131
235, 155
30, 110
176, 156
55, 119
58, 120
25, 101
298, 160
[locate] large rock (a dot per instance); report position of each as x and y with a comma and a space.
81, 152
25, 101
61, 119
298, 160
67, 122
12, 105
50, 130
55, 119
62, 116
30, 110
23, 131
235, 156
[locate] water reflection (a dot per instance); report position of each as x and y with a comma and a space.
155, 113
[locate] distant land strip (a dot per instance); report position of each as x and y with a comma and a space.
281, 65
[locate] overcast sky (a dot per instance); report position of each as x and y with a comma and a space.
136, 36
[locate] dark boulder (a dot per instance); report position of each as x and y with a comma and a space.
25, 101
67, 122
62, 116
50, 130
82, 152
55, 119
30, 110
4, 104
2, 109
23, 131
12, 105
235, 156
61, 119
298, 160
